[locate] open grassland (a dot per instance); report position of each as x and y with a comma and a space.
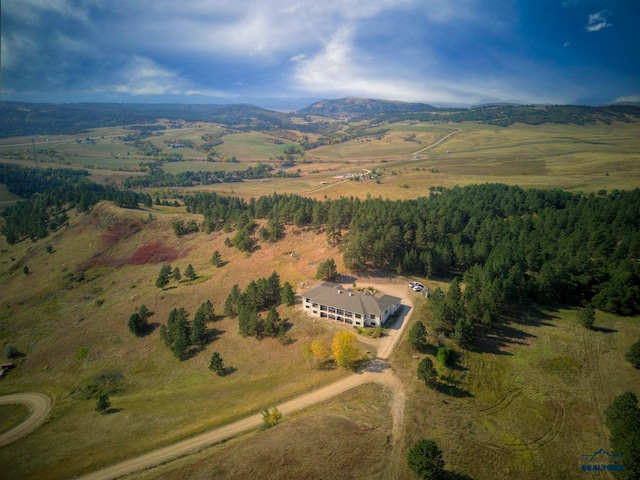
11, 416
346, 437
203, 166
251, 146
529, 402
574, 158
70, 319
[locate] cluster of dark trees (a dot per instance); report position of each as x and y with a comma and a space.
24, 182
505, 115
157, 177
260, 295
180, 334
45, 210
623, 420
509, 244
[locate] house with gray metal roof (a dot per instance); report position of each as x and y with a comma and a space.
333, 301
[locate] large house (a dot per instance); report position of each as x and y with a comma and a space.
333, 301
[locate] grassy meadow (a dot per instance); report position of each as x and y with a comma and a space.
529, 401
69, 318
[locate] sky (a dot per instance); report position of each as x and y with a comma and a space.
288, 53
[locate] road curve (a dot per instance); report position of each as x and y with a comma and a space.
39, 406
377, 371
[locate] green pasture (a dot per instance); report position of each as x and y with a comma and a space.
250, 146
528, 402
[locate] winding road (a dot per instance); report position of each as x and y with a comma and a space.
39, 406
376, 371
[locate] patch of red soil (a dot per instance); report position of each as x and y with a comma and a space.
120, 230
150, 253
153, 253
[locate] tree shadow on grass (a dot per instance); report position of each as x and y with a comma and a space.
226, 371
111, 410
451, 390
150, 328
455, 476
500, 338
604, 330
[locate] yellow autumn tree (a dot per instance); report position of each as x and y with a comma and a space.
345, 349
320, 351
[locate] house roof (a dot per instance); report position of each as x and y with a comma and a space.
334, 295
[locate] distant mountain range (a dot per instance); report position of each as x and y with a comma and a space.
353, 107
24, 118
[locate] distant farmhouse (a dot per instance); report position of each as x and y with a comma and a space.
333, 301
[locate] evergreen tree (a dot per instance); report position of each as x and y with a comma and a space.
272, 293
426, 371
103, 404
144, 312
418, 336
163, 276
623, 421
233, 302
272, 323
327, 270
248, 321
198, 332
287, 296
217, 364
190, 273
633, 355
216, 259
464, 333
176, 274
425, 460
137, 324
587, 317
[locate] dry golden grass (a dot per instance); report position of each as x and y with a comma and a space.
72, 335
344, 438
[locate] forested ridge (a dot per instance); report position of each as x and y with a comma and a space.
509, 244
23, 118
50, 194
546, 245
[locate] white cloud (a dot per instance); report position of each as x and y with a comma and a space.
142, 76
628, 99
566, 44
597, 22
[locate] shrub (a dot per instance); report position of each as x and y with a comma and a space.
633, 355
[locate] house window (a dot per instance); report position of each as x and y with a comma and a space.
315, 305
358, 315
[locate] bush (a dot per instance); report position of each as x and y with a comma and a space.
633, 355
11, 351
587, 317
444, 356
425, 460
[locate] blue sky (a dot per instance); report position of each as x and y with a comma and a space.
271, 52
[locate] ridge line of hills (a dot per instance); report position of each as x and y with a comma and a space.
23, 118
